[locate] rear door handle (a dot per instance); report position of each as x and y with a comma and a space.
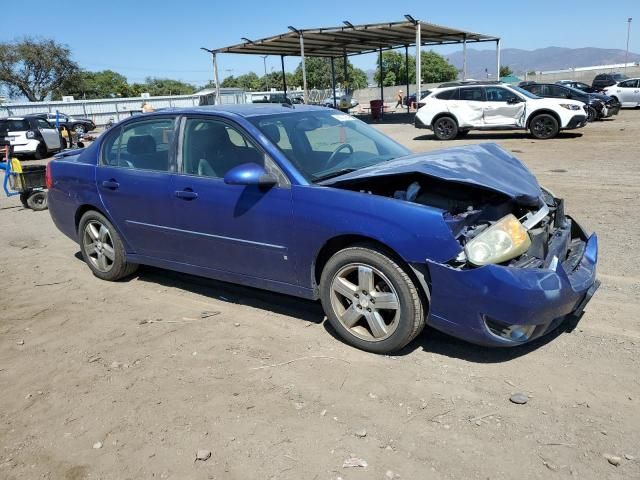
111, 184
186, 194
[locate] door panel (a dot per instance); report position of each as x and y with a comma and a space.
240, 229
50, 135
136, 184
497, 110
469, 109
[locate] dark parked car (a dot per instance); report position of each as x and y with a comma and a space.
309, 202
74, 124
598, 106
579, 85
606, 80
411, 99
31, 135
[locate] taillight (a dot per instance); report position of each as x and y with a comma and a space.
48, 180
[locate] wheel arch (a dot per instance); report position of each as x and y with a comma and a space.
547, 111
82, 209
419, 274
444, 114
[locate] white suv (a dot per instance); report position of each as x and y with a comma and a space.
453, 111
627, 92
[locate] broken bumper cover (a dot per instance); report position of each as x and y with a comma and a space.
507, 306
577, 121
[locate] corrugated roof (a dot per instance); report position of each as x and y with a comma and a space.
354, 40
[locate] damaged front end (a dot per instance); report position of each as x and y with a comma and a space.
524, 266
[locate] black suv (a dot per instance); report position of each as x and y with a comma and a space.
73, 124
598, 106
606, 80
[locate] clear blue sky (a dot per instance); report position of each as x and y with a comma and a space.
141, 38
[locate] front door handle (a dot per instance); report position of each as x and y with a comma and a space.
111, 184
186, 194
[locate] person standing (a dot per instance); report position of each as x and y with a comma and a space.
399, 99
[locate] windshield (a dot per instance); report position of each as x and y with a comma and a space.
326, 143
524, 92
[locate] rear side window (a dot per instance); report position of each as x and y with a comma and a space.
472, 94
143, 145
13, 126
448, 94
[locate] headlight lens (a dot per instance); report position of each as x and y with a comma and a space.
570, 106
504, 240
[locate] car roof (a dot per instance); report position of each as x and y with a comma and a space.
247, 110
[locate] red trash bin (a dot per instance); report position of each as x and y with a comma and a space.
376, 109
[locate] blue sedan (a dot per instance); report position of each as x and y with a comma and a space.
311, 202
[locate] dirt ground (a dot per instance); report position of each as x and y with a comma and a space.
128, 380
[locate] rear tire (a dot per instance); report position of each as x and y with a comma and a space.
102, 248
544, 126
370, 300
80, 129
38, 200
41, 151
445, 128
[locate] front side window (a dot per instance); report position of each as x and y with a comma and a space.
211, 148
556, 91
499, 94
142, 145
43, 124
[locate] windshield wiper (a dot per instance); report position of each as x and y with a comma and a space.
333, 174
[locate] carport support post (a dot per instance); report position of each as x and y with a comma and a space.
215, 77
498, 59
381, 83
333, 81
304, 70
284, 77
406, 69
418, 64
464, 57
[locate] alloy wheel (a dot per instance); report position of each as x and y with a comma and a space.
544, 127
365, 302
445, 128
98, 246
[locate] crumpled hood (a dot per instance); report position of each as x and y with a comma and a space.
485, 165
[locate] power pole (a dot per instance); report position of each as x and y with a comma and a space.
264, 60
626, 55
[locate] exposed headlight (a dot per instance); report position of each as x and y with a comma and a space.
30, 134
504, 240
570, 106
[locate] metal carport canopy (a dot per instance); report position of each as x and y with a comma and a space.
359, 39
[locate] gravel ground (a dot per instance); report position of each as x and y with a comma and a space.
130, 380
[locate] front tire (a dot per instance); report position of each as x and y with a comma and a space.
544, 126
370, 300
592, 115
445, 128
102, 248
80, 129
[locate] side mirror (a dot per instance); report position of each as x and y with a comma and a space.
513, 100
250, 174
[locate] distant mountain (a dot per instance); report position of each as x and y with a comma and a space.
541, 59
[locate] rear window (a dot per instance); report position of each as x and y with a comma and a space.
448, 94
13, 126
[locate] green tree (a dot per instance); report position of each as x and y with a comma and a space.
436, 68
35, 67
396, 63
162, 86
89, 85
505, 71
319, 74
